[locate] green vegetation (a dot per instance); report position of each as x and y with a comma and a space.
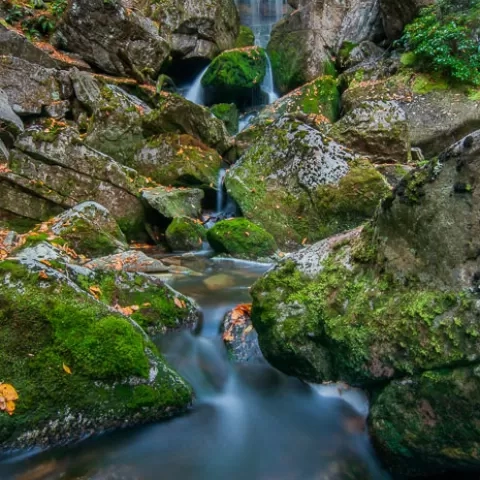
372, 327
46, 325
185, 234
444, 39
228, 113
246, 37
244, 68
36, 18
240, 237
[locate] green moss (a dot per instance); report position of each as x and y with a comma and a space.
246, 37
424, 84
185, 234
240, 237
228, 113
371, 326
153, 303
45, 324
242, 68
346, 50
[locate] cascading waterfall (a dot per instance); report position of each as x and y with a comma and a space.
195, 92
220, 192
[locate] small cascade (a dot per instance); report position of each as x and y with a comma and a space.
268, 86
195, 92
220, 192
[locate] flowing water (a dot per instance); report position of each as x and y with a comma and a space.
260, 16
248, 422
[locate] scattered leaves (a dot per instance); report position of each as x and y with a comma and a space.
66, 369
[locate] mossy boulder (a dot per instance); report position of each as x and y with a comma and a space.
241, 238
175, 114
114, 124
174, 202
393, 307
236, 75
78, 367
246, 37
377, 129
185, 234
228, 113
195, 30
317, 102
436, 112
298, 184
116, 39
179, 160
429, 423
89, 229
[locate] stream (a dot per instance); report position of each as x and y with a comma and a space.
247, 421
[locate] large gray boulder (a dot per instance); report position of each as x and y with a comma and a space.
51, 169
174, 202
30, 87
393, 307
113, 38
195, 29
299, 184
302, 45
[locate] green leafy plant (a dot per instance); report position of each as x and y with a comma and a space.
445, 38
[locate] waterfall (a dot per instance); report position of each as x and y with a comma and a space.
220, 195
195, 92
267, 84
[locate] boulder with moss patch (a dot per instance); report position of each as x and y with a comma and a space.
228, 113
236, 75
393, 307
377, 129
175, 114
437, 113
30, 87
175, 202
241, 238
185, 234
90, 230
78, 366
194, 29
317, 102
113, 37
302, 45
51, 170
178, 160
299, 184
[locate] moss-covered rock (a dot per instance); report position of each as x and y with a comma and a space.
299, 184
246, 37
395, 302
241, 238
195, 30
175, 114
236, 75
175, 202
317, 102
429, 423
185, 234
89, 229
436, 113
378, 129
179, 160
78, 367
228, 113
